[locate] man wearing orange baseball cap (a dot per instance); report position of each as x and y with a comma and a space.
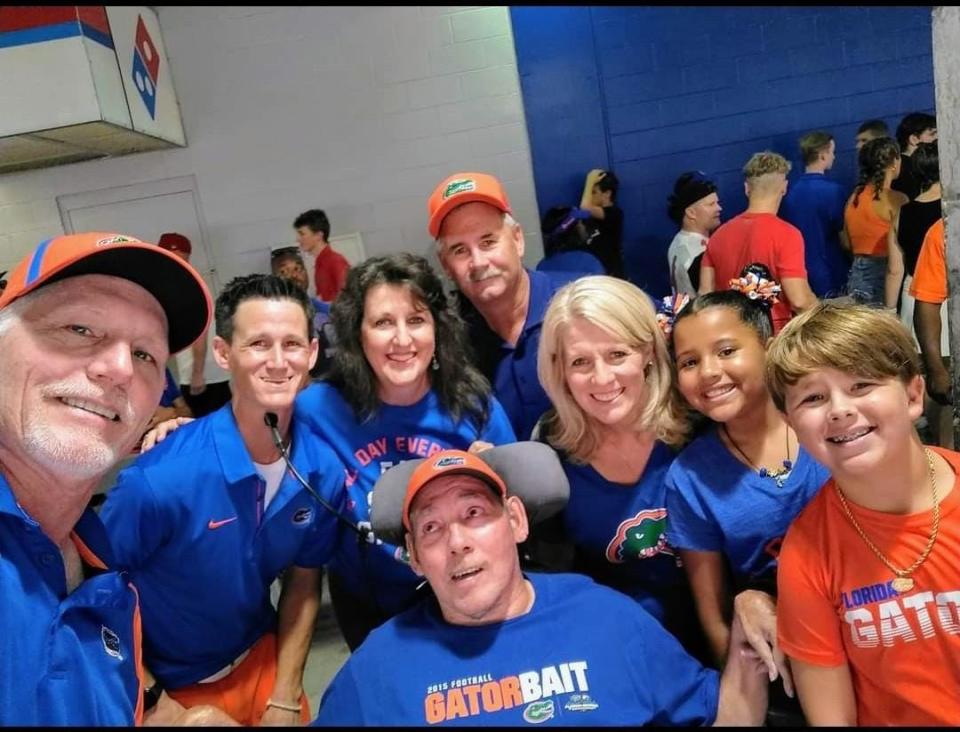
495, 646
87, 322
480, 246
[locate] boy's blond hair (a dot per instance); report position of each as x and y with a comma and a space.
855, 339
765, 163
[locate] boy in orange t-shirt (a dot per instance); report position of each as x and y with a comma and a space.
869, 575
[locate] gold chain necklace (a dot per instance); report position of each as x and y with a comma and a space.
903, 581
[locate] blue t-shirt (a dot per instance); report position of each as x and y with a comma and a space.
171, 390
814, 204
65, 659
583, 656
513, 369
619, 530
187, 519
718, 504
381, 572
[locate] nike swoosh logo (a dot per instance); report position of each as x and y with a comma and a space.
211, 524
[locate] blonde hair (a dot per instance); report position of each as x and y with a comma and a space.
625, 311
854, 339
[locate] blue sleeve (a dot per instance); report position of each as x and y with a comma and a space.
322, 542
498, 429
170, 390
690, 524
839, 205
679, 691
341, 705
132, 518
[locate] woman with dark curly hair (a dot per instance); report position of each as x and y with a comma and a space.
402, 387
868, 219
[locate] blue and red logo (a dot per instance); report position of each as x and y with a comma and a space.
146, 67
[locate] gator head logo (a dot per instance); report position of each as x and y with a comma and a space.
111, 642
640, 537
461, 185
538, 711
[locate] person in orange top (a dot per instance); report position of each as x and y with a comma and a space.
929, 288
869, 221
869, 576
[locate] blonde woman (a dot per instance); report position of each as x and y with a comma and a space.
604, 364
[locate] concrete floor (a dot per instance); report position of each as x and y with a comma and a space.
327, 653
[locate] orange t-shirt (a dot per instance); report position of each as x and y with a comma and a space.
835, 605
867, 229
930, 276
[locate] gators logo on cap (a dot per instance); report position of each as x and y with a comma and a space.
461, 185
117, 240
446, 462
640, 537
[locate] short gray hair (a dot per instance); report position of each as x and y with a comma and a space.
506, 219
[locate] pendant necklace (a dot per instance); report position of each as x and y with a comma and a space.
902, 582
780, 475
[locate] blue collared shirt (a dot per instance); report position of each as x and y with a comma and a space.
513, 369
65, 659
188, 521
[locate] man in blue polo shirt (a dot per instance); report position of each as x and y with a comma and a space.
86, 325
480, 247
207, 520
814, 204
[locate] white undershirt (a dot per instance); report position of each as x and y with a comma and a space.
272, 474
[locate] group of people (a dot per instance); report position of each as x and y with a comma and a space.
413, 468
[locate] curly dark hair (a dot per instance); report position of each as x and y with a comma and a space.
461, 388
875, 157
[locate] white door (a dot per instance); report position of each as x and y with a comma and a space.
145, 210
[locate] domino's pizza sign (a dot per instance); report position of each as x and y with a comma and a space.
142, 66
146, 67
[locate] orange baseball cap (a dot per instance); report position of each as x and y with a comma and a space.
448, 462
176, 285
461, 188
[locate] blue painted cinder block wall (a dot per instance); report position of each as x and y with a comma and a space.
651, 92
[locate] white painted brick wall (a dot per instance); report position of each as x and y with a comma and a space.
360, 111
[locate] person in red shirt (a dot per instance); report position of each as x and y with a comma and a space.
868, 579
759, 235
330, 267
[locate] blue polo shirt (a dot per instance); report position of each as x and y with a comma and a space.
65, 659
187, 519
513, 369
381, 572
814, 204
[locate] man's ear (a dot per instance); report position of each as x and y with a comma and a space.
519, 523
518, 239
414, 562
221, 353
